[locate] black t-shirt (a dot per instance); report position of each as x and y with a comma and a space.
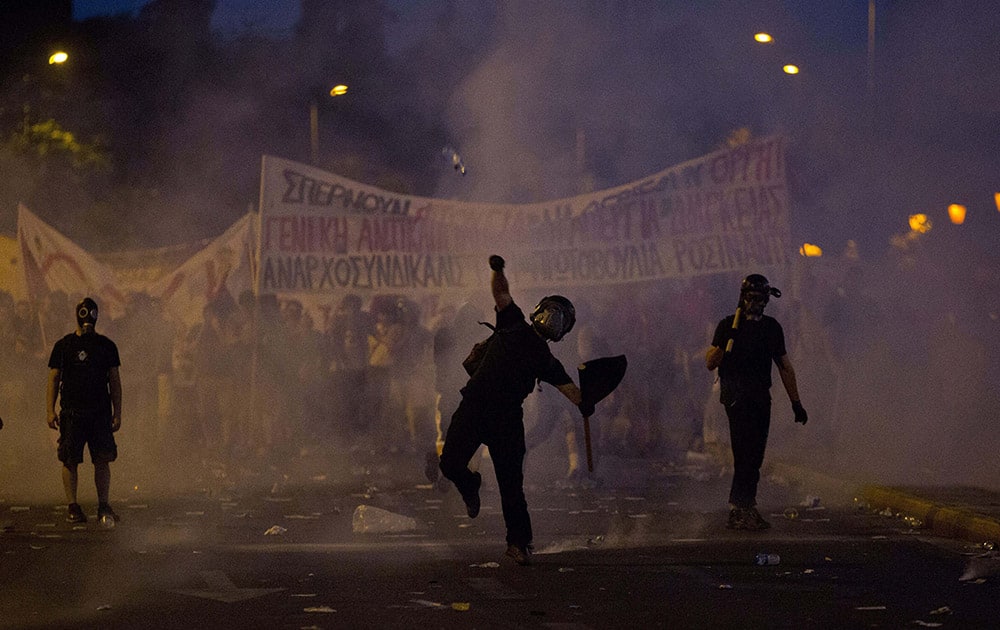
84, 361
516, 358
756, 345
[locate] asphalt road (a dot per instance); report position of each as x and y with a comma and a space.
647, 548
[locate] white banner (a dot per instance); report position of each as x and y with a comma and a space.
321, 233
226, 265
52, 262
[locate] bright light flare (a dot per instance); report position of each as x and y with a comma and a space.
58, 57
338, 90
956, 212
920, 223
810, 251
996, 199
763, 38
790, 68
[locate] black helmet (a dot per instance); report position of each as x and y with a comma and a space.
553, 317
758, 285
86, 312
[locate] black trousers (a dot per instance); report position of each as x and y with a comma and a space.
749, 423
501, 428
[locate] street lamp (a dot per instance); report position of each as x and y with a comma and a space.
58, 57
956, 212
337, 90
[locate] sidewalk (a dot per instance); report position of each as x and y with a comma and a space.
959, 512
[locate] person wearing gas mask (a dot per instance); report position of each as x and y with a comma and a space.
84, 377
743, 347
502, 374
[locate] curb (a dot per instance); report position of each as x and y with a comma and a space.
941, 520
948, 522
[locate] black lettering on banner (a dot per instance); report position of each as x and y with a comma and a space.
753, 208
390, 271
293, 187
301, 189
649, 222
754, 163
626, 262
733, 251
607, 226
692, 211
326, 280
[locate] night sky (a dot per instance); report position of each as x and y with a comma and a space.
272, 16
693, 71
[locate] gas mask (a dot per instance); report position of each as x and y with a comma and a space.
553, 317
755, 292
86, 312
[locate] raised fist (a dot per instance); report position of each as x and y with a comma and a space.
496, 263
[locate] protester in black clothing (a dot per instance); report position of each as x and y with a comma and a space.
743, 352
490, 413
83, 375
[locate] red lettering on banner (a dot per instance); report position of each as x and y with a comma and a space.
304, 234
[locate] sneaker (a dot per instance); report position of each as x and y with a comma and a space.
75, 514
521, 555
431, 466
106, 511
737, 518
472, 499
754, 520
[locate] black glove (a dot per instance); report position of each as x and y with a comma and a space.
586, 408
496, 263
800, 413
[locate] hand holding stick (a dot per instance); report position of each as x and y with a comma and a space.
736, 324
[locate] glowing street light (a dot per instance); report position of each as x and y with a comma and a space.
920, 223
810, 251
790, 68
58, 57
763, 38
337, 90
956, 212
996, 199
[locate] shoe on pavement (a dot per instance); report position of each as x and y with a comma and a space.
431, 466
521, 555
472, 499
737, 518
75, 514
754, 520
106, 511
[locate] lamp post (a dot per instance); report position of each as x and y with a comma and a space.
337, 90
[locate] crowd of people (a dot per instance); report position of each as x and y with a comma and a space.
263, 376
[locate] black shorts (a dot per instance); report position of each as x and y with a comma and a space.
92, 428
